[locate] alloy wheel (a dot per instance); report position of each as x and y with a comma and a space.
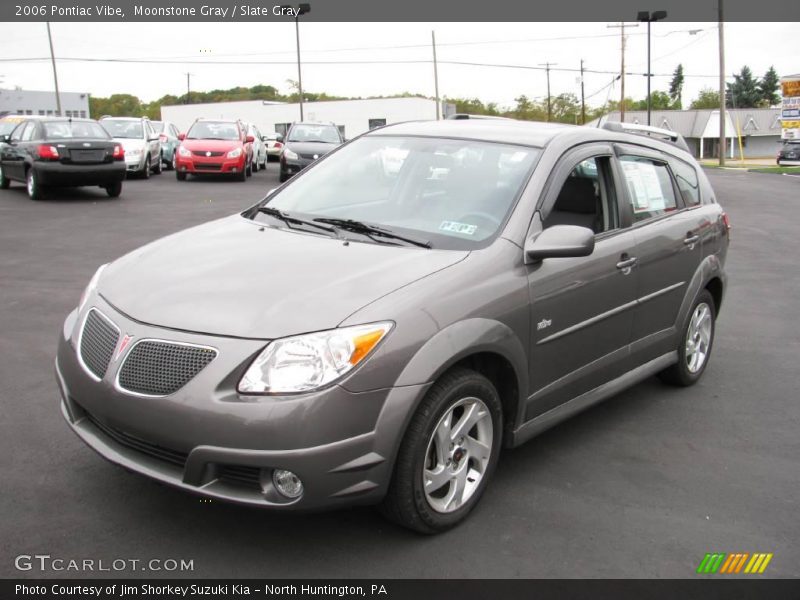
698, 337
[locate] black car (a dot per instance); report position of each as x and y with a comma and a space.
305, 143
61, 152
789, 153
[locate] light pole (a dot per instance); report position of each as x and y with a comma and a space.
648, 17
301, 9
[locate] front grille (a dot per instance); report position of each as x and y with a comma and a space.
98, 340
207, 166
206, 153
134, 443
157, 368
240, 475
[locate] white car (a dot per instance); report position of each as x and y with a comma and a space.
274, 142
259, 148
140, 141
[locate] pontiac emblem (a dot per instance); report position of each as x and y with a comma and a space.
126, 340
208, 153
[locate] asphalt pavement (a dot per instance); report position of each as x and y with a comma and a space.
642, 485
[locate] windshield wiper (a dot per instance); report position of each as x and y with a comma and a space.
372, 230
289, 220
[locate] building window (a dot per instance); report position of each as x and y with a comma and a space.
373, 123
28, 112
41, 112
83, 114
49, 113
68, 113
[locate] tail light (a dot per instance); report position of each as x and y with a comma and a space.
278, 145
727, 222
48, 152
119, 152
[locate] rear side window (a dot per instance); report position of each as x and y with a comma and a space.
27, 135
650, 189
688, 184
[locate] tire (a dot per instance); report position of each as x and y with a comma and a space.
180, 175
114, 190
248, 170
254, 168
697, 333
460, 396
241, 175
35, 191
283, 177
145, 173
4, 181
157, 168
168, 164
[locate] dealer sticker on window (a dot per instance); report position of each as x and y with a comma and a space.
454, 227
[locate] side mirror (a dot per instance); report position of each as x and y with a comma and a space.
249, 139
181, 136
5, 138
560, 241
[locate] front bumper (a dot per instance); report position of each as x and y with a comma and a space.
208, 440
291, 167
212, 164
55, 173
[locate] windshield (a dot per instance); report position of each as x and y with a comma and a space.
7, 127
455, 193
124, 129
56, 130
314, 133
213, 130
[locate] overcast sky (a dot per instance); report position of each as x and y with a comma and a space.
758, 45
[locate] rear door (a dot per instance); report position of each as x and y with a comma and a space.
669, 245
581, 308
14, 153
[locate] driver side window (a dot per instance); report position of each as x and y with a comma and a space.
587, 198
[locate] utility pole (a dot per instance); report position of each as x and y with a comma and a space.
188, 75
621, 28
722, 139
649, 17
55, 74
547, 66
436, 75
583, 99
299, 71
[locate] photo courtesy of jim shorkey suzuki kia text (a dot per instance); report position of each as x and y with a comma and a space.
147, 590
218, 11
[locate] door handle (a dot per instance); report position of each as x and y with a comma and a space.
691, 239
626, 263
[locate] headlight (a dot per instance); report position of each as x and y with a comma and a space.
307, 362
290, 155
184, 151
236, 153
91, 287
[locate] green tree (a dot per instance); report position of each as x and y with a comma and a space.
474, 106
566, 108
768, 88
676, 87
707, 98
116, 105
658, 101
744, 91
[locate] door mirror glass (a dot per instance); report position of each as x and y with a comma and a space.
249, 139
560, 241
181, 136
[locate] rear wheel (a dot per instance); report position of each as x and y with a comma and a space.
695, 343
4, 182
448, 454
35, 191
157, 167
145, 172
283, 177
114, 190
254, 168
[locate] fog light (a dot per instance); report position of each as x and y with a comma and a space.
287, 483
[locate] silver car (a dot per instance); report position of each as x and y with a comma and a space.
140, 141
259, 160
376, 330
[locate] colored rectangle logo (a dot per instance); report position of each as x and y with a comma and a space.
734, 563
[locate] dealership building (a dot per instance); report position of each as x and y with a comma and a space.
34, 102
759, 128
353, 117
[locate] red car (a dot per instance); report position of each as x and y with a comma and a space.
212, 147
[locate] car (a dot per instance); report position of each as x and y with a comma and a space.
9, 122
45, 152
214, 146
789, 154
274, 142
375, 331
140, 141
168, 136
305, 143
259, 160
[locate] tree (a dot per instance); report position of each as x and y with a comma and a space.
658, 101
768, 88
676, 87
566, 108
474, 106
744, 91
707, 98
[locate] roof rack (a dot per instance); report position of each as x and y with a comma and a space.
664, 134
464, 116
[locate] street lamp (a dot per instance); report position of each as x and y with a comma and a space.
648, 17
302, 9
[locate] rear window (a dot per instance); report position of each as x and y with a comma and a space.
76, 129
124, 129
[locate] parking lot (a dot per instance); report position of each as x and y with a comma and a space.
640, 486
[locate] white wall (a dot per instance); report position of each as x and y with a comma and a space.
34, 102
353, 114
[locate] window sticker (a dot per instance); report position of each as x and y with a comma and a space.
645, 186
454, 227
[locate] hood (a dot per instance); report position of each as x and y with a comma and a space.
230, 278
320, 148
212, 145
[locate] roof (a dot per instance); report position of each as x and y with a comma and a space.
528, 133
695, 123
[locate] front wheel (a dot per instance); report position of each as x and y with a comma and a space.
180, 175
157, 167
35, 191
695, 343
145, 172
114, 190
448, 454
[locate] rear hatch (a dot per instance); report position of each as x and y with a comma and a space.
86, 151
